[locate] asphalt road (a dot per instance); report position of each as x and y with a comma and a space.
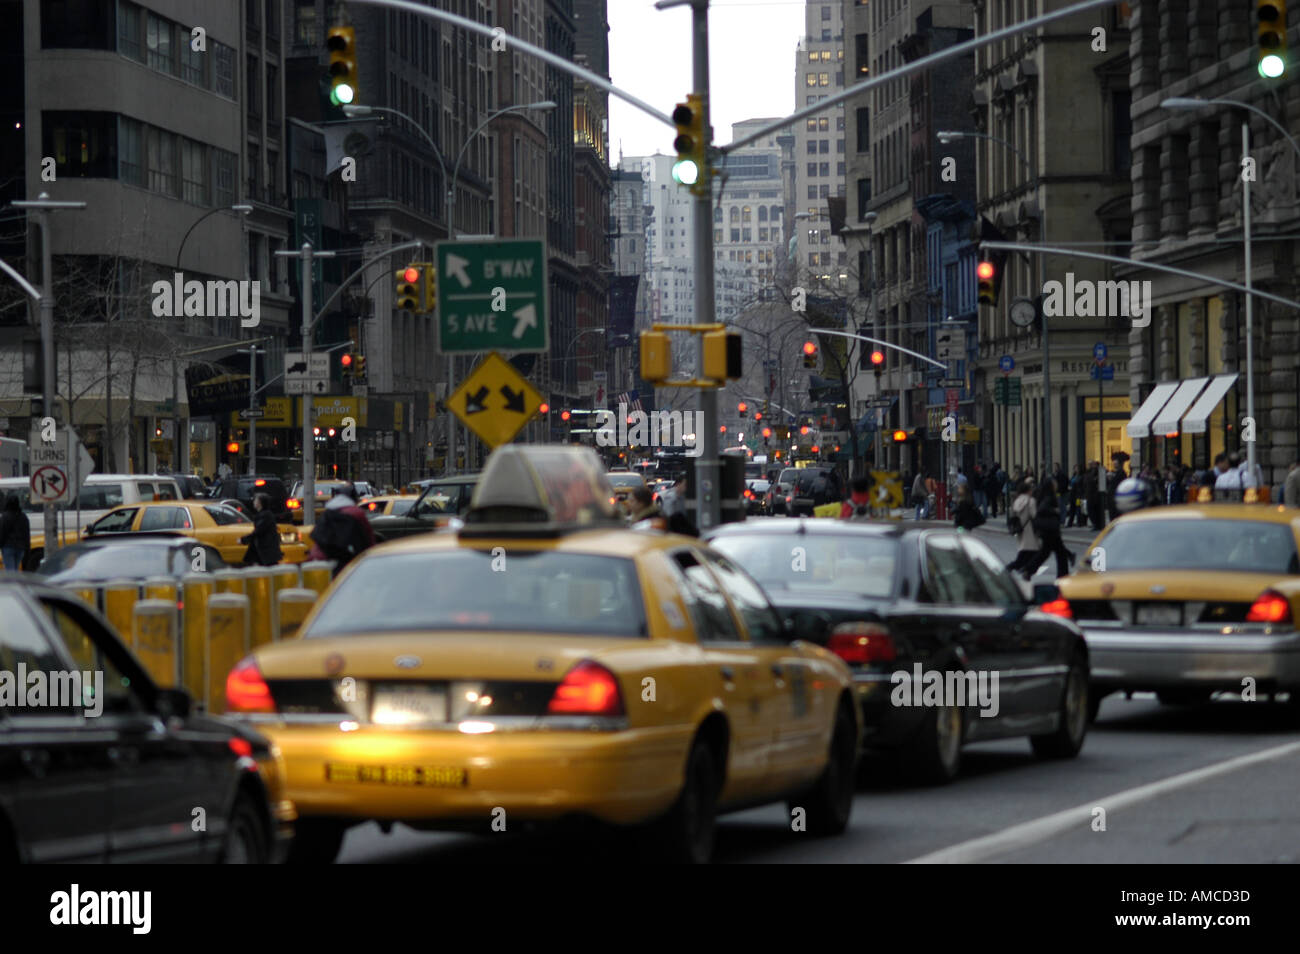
1203, 784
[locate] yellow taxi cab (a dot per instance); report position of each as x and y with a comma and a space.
218, 526
1191, 599
546, 662
385, 505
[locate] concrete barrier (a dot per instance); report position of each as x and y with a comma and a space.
197, 590
227, 644
230, 581
317, 574
161, 588
120, 597
261, 605
292, 607
285, 576
154, 639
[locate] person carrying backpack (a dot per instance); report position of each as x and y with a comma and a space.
858, 506
1021, 523
343, 530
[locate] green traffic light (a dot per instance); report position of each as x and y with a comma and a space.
686, 171
1272, 66
342, 95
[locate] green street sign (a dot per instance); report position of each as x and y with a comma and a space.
1006, 391
492, 296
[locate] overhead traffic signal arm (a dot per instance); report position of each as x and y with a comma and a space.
1270, 17
342, 46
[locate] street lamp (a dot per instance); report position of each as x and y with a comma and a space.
1188, 102
949, 135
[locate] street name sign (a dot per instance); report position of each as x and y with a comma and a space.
492, 296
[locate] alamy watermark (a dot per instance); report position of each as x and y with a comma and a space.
1089, 299
212, 299
650, 429
953, 688
60, 689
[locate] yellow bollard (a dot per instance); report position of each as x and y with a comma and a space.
119, 597
196, 590
285, 576
317, 574
261, 606
293, 606
227, 637
88, 594
230, 581
154, 629
160, 588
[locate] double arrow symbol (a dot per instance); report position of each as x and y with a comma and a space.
476, 402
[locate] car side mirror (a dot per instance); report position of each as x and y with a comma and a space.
173, 704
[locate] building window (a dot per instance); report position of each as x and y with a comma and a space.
824, 146
762, 213
823, 79
812, 125
762, 235
812, 168
253, 83
826, 13
812, 192
227, 164
823, 123
128, 31
735, 235
839, 146
273, 18
306, 25
734, 215
254, 172
717, 215
746, 215
812, 258
223, 70
825, 191
824, 169
863, 120
130, 163
812, 147
272, 92
747, 235
717, 237
192, 65
811, 79
194, 172
160, 154
83, 144
158, 39
76, 25
839, 168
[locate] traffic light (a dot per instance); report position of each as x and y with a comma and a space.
1271, 26
429, 300
543, 408
877, 362
232, 447
689, 145
742, 408
565, 415
758, 415
359, 368
409, 286
809, 354
985, 272
723, 354
342, 46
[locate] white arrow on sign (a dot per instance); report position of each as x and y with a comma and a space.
525, 318
456, 269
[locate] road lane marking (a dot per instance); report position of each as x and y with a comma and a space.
1040, 829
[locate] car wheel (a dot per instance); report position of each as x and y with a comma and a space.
1072, 726
935, 755
830, 802
1183, 697
316, 842
246, 838
685, 834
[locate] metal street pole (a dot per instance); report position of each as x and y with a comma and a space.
1250, 301
1047, 347
308, 438
252, 405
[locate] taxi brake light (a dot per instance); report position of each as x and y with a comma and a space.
259, 483
862, 643
587, 689
293, 504
1270, 607
1057, 607
241, 747
246, 690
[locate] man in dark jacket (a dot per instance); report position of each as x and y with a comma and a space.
264, 541
343, 530
15, 535
993, 486
1092, 493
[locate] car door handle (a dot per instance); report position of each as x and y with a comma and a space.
728, 673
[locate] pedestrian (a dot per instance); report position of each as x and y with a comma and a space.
977, 482
919, 493
858, 506
643, 506
993, 487
1023, 510
967, 516
343, 530
1074, 491
264, 541
1047, 525
1062, 487
15, 535
1227, 483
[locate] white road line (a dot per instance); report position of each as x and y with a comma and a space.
1040, 829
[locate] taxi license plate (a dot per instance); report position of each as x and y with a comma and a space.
408, 705
1156, 614
436, 776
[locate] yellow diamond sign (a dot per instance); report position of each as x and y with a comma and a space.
495, 401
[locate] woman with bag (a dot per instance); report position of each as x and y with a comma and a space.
1021, 522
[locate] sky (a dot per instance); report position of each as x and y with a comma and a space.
751, 64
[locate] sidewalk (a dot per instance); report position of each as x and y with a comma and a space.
1080, 536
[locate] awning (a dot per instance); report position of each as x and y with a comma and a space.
1195, 422
1140, 424
1169, 416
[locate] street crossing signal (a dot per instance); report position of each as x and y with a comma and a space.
986, 273
342, 46
410, 284
809, 354
1271, 27
900, 437
689, 145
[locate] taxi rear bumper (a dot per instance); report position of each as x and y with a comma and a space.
1148, 659
621, 777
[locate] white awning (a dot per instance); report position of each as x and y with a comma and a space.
1172, 413
1195, 421
1140, 424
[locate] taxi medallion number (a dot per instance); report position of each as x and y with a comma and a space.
433, 776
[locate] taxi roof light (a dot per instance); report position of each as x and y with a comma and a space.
587, 689
532, 490
1269, 607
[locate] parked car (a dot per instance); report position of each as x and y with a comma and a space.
910, 609
130, 556
208, 522
814, 487
114, 774
756, 496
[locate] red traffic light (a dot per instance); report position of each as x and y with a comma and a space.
722, 429
804, 429
900, 436
346, 360
742, 407
984, 271
544, 409
877, 357
758, 415
410, 275
564, 415
767, 432
232, 447
809, 348
816, 449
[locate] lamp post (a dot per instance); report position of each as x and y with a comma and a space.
948, 136
1188, 102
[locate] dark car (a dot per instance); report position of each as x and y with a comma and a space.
910, 610
192, 486
814, 487
442, 499
756, 497
243, 489
112, 767
126, 556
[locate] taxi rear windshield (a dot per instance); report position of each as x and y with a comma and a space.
466, 589
1245, 546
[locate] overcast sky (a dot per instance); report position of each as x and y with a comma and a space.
751, 62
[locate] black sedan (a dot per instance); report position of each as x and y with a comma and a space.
439, 502
943, 645
105, 765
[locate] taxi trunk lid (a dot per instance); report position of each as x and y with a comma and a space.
1164, 599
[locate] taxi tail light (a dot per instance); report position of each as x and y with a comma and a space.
1057, 607
587, 689
862, 643
246, 690
292, 504
1269, 607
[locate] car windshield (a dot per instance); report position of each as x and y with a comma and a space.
1242, 546
537, 592
105, 562
623, 481
855, 564
788, 476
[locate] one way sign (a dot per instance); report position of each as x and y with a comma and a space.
495, 401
